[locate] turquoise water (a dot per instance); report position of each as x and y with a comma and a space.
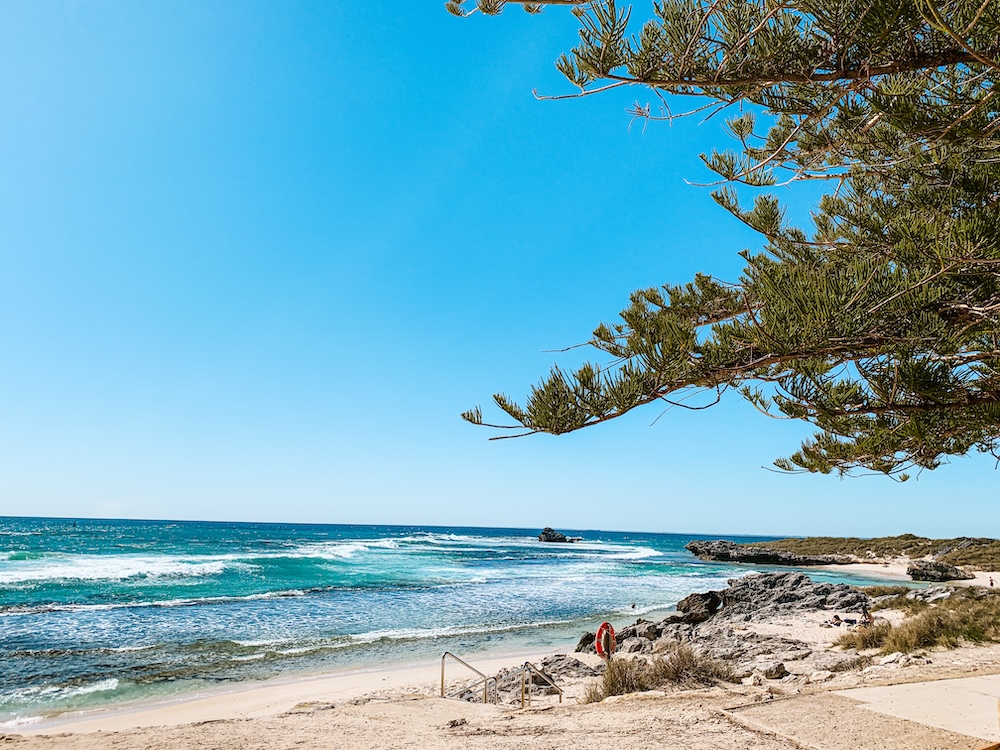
97, 613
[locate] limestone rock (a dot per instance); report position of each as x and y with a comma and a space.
773, 670
723, 550
699, 607
935, 570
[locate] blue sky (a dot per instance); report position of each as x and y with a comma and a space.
257, 258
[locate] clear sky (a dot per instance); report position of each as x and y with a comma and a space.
257, 257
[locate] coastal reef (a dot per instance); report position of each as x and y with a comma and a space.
721, 550
715, 624
551, 535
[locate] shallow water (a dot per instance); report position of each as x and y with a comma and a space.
96, 613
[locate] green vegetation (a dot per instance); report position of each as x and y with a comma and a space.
683, 666
878, 320
980, 553
969, 615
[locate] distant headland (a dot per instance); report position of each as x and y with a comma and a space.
921, 558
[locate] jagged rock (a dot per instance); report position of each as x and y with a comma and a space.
586, 644
551, 535
766, 594
931, 593
935, 570
725, 551
890, 659
647, 630
773, 670
635, 646
838, 662
821, 675
562, 665
699, 607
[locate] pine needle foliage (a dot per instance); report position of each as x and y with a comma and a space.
878, 323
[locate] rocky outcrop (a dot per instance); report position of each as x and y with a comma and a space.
721, 550
936, 571
714, 623
551, 535
699, 607
767, 594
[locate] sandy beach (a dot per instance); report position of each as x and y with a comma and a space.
400, 709
941, 699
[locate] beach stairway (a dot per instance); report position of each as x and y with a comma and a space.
499, 688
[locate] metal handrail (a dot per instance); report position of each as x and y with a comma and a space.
528, 667
485, 679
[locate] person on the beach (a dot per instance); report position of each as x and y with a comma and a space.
866, 616
991, 581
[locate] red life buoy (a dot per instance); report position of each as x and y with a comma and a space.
604, 642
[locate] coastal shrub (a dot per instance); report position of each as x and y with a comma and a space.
864, 638
970, 615
683, 667
625, 676
592, 694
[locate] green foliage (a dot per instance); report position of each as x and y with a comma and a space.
879, 323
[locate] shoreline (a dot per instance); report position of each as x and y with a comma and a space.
263, 698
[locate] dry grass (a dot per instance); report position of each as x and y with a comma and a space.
866, 637
970, 615
683, 667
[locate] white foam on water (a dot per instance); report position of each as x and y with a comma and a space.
115, 568
19, 721
251, 657
57, 693
186, 602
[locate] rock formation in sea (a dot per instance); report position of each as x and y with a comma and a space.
721, 550
551, 535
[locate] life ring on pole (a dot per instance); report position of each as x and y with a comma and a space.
604, 642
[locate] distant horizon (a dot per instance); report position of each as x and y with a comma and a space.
723, 535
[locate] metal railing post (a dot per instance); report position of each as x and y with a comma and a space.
485, 679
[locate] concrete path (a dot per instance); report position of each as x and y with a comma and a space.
968, 705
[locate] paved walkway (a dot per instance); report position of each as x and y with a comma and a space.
968, 705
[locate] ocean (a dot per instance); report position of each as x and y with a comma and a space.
101, 613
